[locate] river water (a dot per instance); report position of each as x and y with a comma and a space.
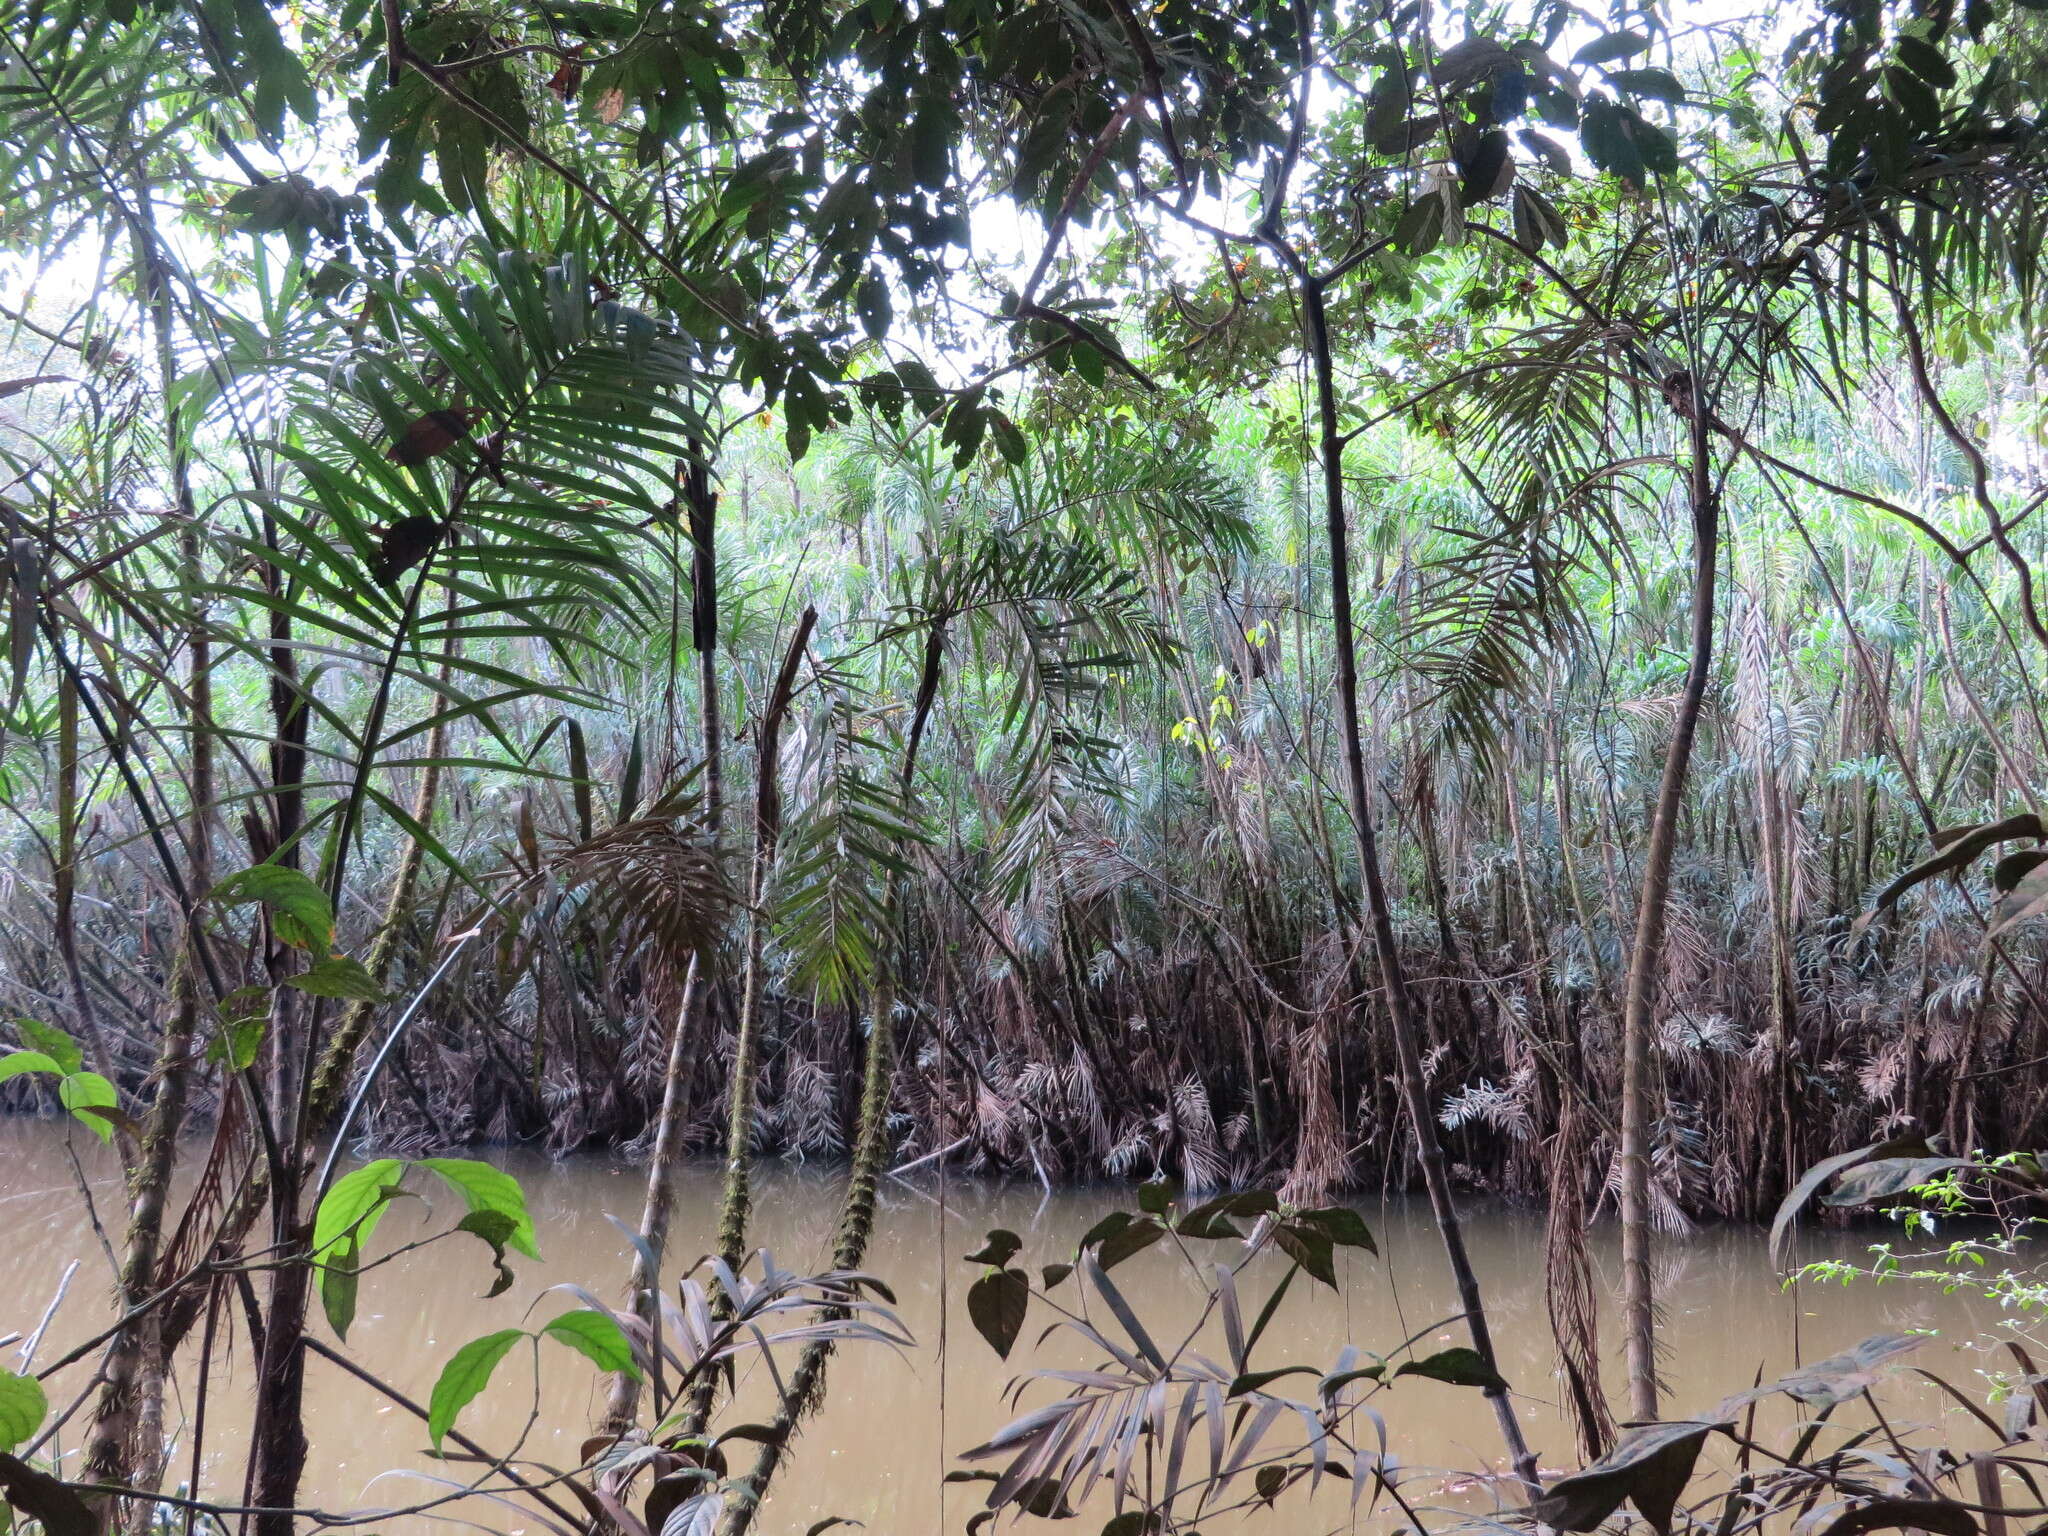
894, 1422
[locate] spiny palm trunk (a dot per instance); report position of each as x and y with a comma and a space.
736, 1201
1401, 1022
338, 1057
1638, 1307
623, 1403
871, 1141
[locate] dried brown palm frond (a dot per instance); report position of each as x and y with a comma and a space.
1568, 1290
805, 1114
654, 881
1202, 1163
1321, 1158
1507, 1109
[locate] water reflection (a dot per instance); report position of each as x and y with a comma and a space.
893, 1423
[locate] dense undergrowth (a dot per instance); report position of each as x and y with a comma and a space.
1125, 949
1287, 597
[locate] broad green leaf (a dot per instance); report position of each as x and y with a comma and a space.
50, 1500
2024, 898
598, 1337
22, 1409
244, 1022
1255, 1381
1460, 1365
1833, 1380
1213, 1217
84, 1092
1887, 1178
339, 1282
1657, 84
1955, 848
1129, 1241
1649, 1466
53, 1043
1340, 1224
337, 976
15, 1063
996, 1304
1310, 1247
355, 1203
1910, 1145
485, 1188
466, 1374
299, 913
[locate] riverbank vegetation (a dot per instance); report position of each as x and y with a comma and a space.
1291, 599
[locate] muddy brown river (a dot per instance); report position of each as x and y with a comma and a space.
894, 1422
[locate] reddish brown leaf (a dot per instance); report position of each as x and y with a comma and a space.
405, 544
432, 435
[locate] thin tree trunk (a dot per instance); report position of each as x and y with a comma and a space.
746, 1063
1401, 1021
64, 879
1638, 1308
871, 1140
125, 1442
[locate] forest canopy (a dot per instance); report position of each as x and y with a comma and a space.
1314, 594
